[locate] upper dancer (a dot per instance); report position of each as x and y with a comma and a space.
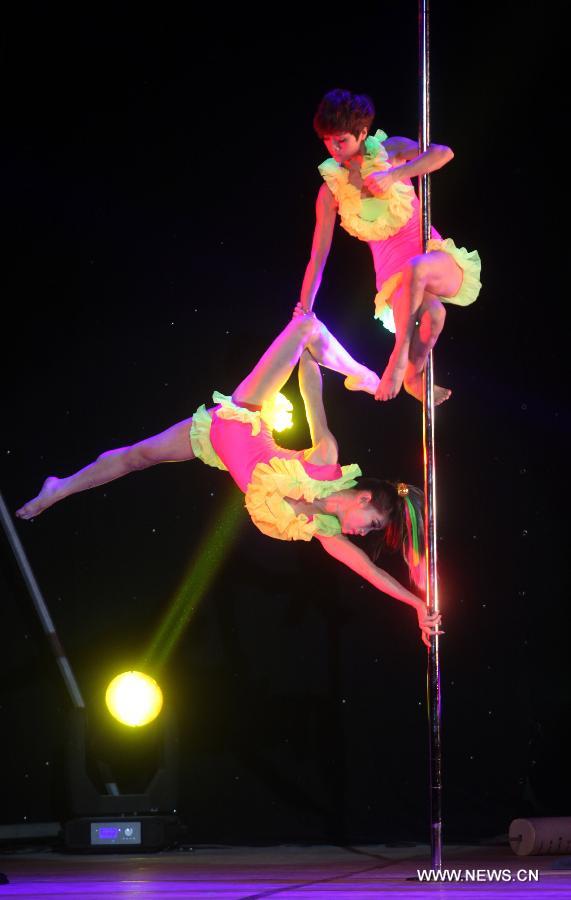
368, 183
290, 495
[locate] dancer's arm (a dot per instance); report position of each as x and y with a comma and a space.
402, 150
407, 162
325, 214
324, 446
342, 549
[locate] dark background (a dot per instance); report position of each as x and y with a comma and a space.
159, 181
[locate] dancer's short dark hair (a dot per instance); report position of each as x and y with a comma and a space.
341, 111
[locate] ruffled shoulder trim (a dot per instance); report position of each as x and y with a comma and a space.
290, 478
375, 158
333, 174
369, 218
279, 479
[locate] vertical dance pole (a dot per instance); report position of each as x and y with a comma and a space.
433, 673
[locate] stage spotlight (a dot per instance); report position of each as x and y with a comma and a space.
134, 698
278, 410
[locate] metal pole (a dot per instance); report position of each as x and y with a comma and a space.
40, 606
433, 671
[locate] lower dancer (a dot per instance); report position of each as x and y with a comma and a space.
289, 494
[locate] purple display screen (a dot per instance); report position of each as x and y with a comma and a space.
125, 832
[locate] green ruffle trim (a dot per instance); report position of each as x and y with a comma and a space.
374, 142
326, 526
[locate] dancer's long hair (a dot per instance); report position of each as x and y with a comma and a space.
405, 529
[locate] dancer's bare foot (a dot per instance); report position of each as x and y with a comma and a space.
413, 386
391, 381
50, 493
367, 382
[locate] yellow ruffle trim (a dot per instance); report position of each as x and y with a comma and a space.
369, 218
471, 265
229, 410
200, 439
280, 478
468, 260
383, 309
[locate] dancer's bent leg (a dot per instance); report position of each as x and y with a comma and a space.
276, 365
435, 272
172, 445
328, 352
431, 317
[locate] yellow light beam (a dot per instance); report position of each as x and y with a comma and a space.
201, 571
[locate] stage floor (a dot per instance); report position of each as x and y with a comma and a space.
304, 873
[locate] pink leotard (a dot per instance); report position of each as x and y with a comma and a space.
240, 451
393, 253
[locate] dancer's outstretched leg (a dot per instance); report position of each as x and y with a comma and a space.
431, 317
436, 273
172, 445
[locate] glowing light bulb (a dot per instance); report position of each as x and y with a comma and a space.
134, 698
277, 412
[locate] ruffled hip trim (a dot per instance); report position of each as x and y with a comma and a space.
227, 409
468, 260
383, 310
471, 265
200, 439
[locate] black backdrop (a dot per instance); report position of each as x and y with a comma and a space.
159, 182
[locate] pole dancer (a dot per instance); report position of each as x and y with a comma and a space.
289, 494
367, 181
428, 399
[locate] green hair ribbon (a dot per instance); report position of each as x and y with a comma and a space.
414, 529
